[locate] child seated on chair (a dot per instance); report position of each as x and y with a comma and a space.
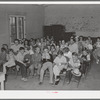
46, 64
10, 60
35, 62
85, 60
20, 61
74, 63
60, 63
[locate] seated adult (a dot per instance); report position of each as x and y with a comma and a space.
73, 46
15, 47
88, 45
60, 63
35, 62
47, 64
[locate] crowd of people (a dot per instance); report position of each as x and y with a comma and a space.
35, 56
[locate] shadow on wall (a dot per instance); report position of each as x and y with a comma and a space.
84, 24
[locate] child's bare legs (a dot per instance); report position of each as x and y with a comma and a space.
4, 67
31, 68
17, 67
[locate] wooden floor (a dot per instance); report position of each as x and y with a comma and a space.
91, 83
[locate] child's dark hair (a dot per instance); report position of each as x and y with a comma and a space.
74, 54
60, 52
45, 48
3, 49
86, 50
66, 49
11, 50
21, 48
16, 40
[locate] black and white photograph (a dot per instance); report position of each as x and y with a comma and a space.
50, 47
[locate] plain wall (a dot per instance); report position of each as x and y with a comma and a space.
34, 20
82, 19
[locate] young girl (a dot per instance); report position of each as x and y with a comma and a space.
10, 62
60, 63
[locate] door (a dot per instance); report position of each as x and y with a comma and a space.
17, 27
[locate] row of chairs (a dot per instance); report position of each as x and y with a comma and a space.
70, 77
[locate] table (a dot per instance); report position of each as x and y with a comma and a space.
2, 79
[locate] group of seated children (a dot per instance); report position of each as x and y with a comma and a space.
45, 53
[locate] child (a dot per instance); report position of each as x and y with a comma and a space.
35, 62
53, 51
86, 59
60, 63
10, 60
74, 63
20, 62
63, 45
47, 64
67, 53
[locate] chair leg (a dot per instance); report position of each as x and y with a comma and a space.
70, 76
16, 73
65, 78
78, 81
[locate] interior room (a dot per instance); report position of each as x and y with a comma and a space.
60, 21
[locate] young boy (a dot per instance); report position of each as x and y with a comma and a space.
47, 64
20, 62
86, 59
36, 61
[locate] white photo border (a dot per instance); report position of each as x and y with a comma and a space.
52, 94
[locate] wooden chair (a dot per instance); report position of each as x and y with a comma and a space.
70, 77
13, 69
75, 78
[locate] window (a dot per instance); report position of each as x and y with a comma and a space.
17, 27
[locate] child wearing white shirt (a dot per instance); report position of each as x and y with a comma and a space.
10, 62
60, 63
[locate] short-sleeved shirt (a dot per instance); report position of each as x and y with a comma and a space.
74, 64
69, 55
16, 47
36, 58
58, 60
74, 47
